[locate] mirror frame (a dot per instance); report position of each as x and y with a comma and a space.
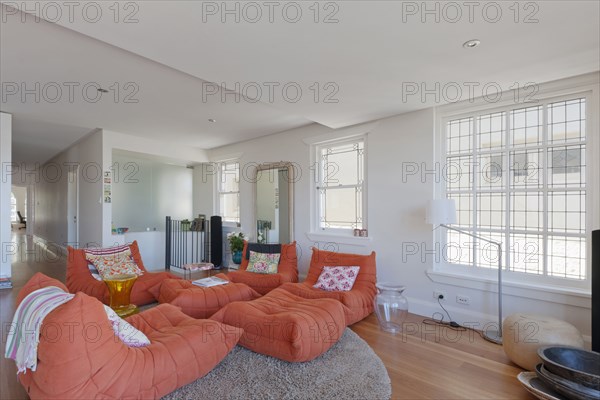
290, 170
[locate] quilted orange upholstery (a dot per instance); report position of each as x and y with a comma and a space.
360, 300
80, 358
287, 271
199, 302
286, 326
79, 279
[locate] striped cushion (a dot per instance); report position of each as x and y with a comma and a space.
94, 272
113, 261
107, 250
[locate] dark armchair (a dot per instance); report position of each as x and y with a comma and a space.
22, 220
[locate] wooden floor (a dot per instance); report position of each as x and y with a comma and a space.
426, 363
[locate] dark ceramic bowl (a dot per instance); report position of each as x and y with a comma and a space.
568, 388
573, 364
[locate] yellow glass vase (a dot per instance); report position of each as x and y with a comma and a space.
119, 287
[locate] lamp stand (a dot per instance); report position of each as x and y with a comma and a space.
494, 336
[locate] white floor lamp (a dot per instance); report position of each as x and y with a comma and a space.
442, 212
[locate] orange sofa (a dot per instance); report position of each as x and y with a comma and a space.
200, 302
287, 271
286, 326
359, 301
82, 359
79, 279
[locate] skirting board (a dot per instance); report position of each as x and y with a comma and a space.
468, 318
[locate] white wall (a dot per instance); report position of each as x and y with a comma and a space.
51, 193
151, 191
203, 189
396, 215
93, 154
5, 189
166, 151
151, 245
290, 147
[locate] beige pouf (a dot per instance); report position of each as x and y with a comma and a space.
523, 334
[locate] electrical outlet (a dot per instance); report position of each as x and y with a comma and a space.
438, 293
464, 300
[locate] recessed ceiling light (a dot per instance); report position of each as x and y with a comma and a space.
471, 43
102, 90
212, 120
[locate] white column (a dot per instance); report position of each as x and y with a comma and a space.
5, 190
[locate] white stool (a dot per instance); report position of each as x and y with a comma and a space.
523, 334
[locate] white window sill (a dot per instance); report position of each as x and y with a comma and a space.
339, 239
556, 294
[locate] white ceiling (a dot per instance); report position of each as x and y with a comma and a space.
170, 103
370, 55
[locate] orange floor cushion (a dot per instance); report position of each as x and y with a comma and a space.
359, 300
79, 279
286, 326
200, 302
287, 271
79, 356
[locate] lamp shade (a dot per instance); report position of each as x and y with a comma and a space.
441, 211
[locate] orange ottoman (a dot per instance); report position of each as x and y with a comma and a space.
200, 302
286, 326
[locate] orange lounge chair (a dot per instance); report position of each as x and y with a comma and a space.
201, 302
287, 271
286, 326
360, 300
79, 279
79, 356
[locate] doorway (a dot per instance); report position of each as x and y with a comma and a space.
19, 217
73, 207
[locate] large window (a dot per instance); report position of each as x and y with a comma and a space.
341, 185
518, 176
228, 189
13, 208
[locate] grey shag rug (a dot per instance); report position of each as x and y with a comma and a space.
348, 370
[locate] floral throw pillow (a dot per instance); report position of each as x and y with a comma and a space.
263, 263
337, 278
113, 261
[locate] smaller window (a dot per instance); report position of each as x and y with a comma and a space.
13, 208
341, 189
228, 189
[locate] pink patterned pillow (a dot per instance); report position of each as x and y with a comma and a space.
337, 278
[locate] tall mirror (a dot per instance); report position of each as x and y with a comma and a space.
274, 203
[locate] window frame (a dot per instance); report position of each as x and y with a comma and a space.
218, 192
13, 208
446, 271
316, 197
